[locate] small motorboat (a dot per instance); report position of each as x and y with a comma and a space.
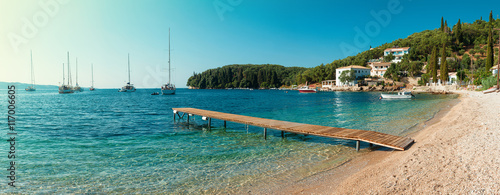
399, 95
306, 89
155, 93
490, 90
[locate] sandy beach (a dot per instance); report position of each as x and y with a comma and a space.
457, 153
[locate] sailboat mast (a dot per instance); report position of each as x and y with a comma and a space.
63, 75
76, 71
69, 73
169, 56
32, 73
129, 68
92, 70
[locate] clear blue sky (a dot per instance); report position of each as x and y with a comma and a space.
204, 34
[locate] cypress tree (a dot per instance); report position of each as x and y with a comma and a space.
491, 17
457, 32
444, 66
442, 24
489, 52
445, 26
434, 65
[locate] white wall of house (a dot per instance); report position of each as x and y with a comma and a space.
379, 69
359, 72
397, 53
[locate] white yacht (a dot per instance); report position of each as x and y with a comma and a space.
129, 87
32, 87
92, 71
77, 87
169, 88
66, 88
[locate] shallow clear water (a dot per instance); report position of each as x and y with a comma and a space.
110, 142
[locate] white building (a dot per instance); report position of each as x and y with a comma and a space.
327, 83
397, 52
494, 70
378, 68
452, 78
359, 72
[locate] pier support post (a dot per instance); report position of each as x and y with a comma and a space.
224, 124
209, 123
265, 133
282, 134
174, 116
188, 119
357, 145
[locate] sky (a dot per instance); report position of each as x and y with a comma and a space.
204, 34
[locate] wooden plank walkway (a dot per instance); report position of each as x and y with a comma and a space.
372, 137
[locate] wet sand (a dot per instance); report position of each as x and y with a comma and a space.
458, 153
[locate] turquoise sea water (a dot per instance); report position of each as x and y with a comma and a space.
110, 142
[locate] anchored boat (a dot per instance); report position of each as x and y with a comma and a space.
399, 95
92, 71
32, 87
129, 87
169, 88
66, 88
77, 87
306, 89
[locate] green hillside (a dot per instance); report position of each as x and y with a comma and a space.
463, 41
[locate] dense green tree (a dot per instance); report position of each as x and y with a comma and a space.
442, 24
393, 72
489, 52
491, 18
389, 57
347, 76
434, 64
444, 66
251, 76
446, 26
457, 32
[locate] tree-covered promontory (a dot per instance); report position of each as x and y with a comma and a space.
245, 76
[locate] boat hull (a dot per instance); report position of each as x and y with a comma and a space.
30, 89
65, 89
78, 89
168, 91
126, 90
391, 96
307, 91
490, 90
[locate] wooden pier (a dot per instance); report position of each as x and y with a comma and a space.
372, 137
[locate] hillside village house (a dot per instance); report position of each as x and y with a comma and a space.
378, 68
494, 70
397, 52
452, 79
359, 71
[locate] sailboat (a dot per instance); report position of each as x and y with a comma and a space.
77, 87
92, 70
129, 87
66, 88
32, 87
169, 88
